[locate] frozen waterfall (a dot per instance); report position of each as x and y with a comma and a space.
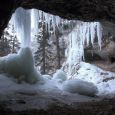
21, 20
82, 35
21, 66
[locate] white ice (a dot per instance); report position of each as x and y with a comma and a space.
20, 66
103, 80
60, 75
21, 20
80, 87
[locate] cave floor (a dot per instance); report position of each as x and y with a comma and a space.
103, 107
47, 103
36, 99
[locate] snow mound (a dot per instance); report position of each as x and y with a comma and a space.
47, 76
20, 66
80, 87
60, 75
103, 80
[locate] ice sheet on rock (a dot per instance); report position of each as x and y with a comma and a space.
34, 22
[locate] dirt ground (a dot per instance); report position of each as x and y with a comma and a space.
103, 107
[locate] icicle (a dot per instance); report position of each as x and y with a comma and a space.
46, 16
54, 23
87, 34
99, 34
34, 21
92, 32
40, 14
22, 25
58, 20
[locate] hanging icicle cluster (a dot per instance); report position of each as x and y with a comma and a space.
83, 34
26, 22
38, 16
26, 25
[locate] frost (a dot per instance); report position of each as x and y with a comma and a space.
37, 16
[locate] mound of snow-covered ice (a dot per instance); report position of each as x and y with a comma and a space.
60, 75
80, 87
20, 66
74, 85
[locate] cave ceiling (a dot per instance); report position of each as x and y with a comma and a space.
85, 10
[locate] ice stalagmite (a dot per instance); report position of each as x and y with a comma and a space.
21, 66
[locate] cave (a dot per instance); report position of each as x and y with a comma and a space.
82, 84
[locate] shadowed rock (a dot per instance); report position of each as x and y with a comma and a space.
86, 10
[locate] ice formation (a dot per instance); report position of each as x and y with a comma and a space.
104, 80
80, 87
25, 22
39, 16
20, 66
21, 20
60, 75
83, 34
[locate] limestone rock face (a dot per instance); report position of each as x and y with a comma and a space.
86, 10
